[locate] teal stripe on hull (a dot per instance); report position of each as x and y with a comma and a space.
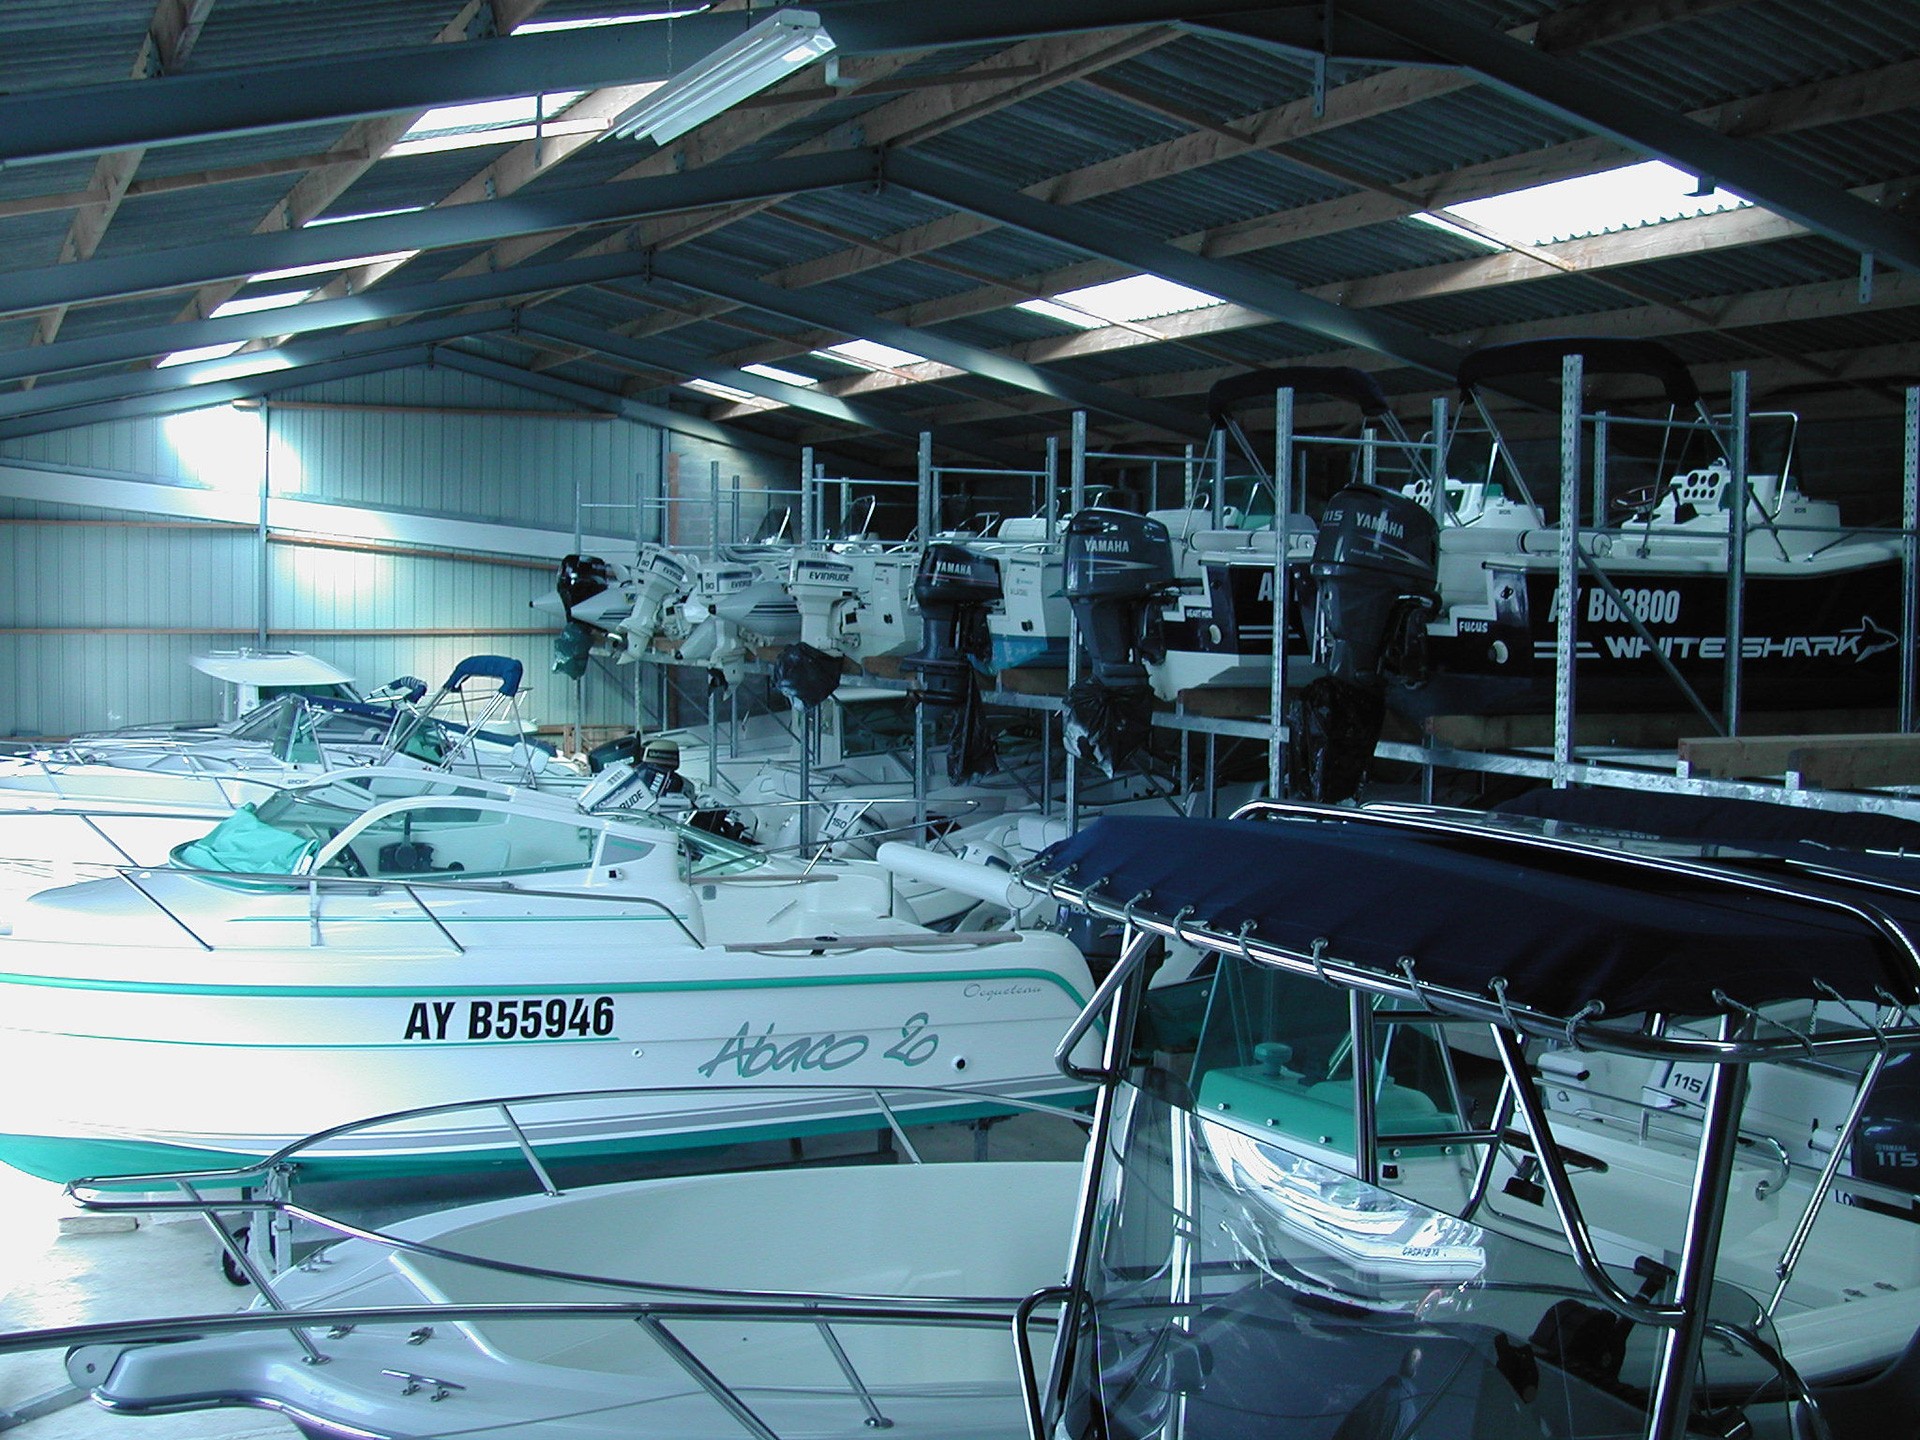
423, 987
61, 1160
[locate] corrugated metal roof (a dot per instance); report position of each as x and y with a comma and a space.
1062, 125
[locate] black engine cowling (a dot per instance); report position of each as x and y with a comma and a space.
1119, 572
1376, 567
954, 588
581, 578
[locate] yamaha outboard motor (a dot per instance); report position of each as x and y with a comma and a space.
1119, 574
581, 578
955, 588
1376, 569
1376, 572
1886, 1146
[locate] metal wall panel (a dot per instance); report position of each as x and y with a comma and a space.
100, 610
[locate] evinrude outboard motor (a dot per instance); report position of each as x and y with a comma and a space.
954, 588
1119, 574
1376, 567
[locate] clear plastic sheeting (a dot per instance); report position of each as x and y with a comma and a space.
1239, 1290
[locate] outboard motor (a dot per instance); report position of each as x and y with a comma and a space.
954, 588
1886, 1146
1119, 574
1376, 567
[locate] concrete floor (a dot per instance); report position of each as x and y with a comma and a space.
47, 1279
170, 1267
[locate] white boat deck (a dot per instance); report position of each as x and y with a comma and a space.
171, 1267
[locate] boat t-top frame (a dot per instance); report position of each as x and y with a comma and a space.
1534, 938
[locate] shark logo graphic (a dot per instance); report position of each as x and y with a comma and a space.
1869, 638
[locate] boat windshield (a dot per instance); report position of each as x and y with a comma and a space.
1238, 1287
298, 732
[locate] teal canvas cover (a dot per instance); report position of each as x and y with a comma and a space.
244, 844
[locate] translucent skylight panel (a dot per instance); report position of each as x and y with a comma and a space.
1137, 297
1066, 315
774, 372
870, 355
253, 304
294, 272
489, 114
721, 392
1472, 237
1644, 194
198, 353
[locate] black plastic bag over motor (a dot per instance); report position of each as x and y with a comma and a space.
1119, 572
954, 588
806, 676
581, 578
1376, 568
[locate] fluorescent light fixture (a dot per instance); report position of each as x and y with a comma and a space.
870, 355
784, 42
295, 272
1137, 297
253, 304
596, 22
1633, 195
197, 354
1065, 314
785, 377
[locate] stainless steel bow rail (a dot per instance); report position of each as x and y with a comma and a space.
275, 1213
317, 886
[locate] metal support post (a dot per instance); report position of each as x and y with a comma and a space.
1572, 384
1910, 562
1599, 511
1218, 460
713, 738
1693, 1284
264, 616
1053, 487
713, 501
1736, 552
929, 510
920, 770
1076, 498
1366, 1155
807, 730
1282, 512
809, 497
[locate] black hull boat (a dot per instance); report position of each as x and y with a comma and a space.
1820, 641
1821, 603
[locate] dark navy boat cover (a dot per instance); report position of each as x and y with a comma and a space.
1562, 929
